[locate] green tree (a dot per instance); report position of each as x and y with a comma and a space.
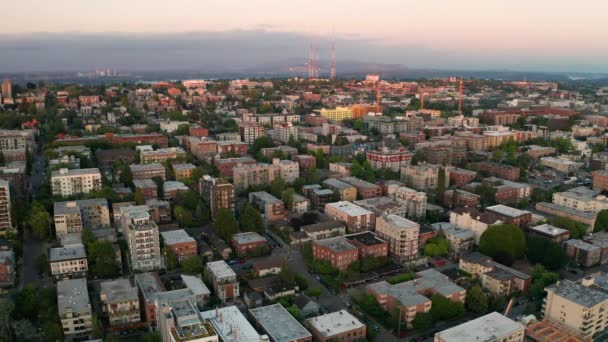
139, 197
183, 216
443, 309
295, 312
441, 181
287, 198
477, 301
171, 259
314, 292
192, 265
251, 220
503, 239
436, 246
102, 259
42, 263
225, 224
126, 176
497, 155
541, 278
423, 321
277, 186
601, 221
39, 221
576, 229
547, 253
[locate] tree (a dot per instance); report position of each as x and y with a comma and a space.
287, 198
601, 222
423, 321
126, 176
436, 246
541, 279
277, 186
251, 220
477, 301
42, 263
547, 253
576, 229
171, 259
225, 224
295, 311
192, 265
314, 292
39, 220
102, 259
441, 181
497, 155
503, 238
444, 309
139, 197
183, 216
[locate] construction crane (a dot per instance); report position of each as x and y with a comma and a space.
509, 306
460, 97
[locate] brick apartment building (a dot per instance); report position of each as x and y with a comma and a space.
521, 218
356, 218
217, 193
226, 165
247, 242
461, 177
182, 244
507, 172
463, 198
364, 189
148, 171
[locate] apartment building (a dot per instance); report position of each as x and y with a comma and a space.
385, 124
231, 325
182, 171
581, 198
179, 321
147, 187
583, 253
506, 214
286, 131
248, 175
497, 279
141, 233
461, 240
339, 326
561, 165
461, 199
7, 267
14, 143
356, 218
413, 201
567, 212
579, 307
73, 182
536, 151
148, 171
508, 191
424, 177
507, 172
368, 244
337, 114
250, 131
340, 169
279, 324
461, 177
289, 170
549, 232
318, 197
413, 297
272, 208
248, 242
120, 302
224, 280
473, 220
68, 262
347, 192
74, 308
492, 327
72, 216
306, 162
600, 180
283, 150
386, 158
149, 285
401, 235
161, 155
181, 244
5, 206
323, 230
217, 193
300, 204
338, 251
364, 189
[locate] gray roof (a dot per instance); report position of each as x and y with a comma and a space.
335, 323
231, 325
173, 237
72, 294
580, 244
69, 252
196, 285
488, 328
279, 323
337, 244
577, 293
118, 290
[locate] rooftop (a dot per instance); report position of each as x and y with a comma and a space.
491, 327
149, 284
565, 209
146, 167
118, 290
580, 244
337, 244
349, 208
321, 226
507, 211
279, 323
173, 237
75, 172
67, 253
264, 197
248, 237
367, 238
220, 269
382, 203
577, 293
547, 229
144, 183
73, 295
184, 167
231, 325
336, 184
335, 323
196, 285
359, 183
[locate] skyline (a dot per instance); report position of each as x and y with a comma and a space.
471, 35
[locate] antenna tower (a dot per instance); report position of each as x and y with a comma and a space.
460, 97
332, 72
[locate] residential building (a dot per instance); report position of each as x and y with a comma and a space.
7, 267
148, 171
561, 165
364, 189
385, 158
72, 216
385, 124
179, 321
250, 132
347, 192
5, 206
74, 308
339, 326
231, 325
285, 151
289, 170
120, 302
73, 182
323, 230
147, 187
198, 288
462, 199
461, 177
172, 126
547, 331
496, 278
413, 297
583, 253
223, 278
413, 201
271, 265
180, 243
68, 262
536, 151
248, 175
461, 240
581, 198
172, 188
182, 171
14, 143
473, 220
492, 327
341, 169
306, 162
368, 244
549, 232
300, 204
424, 177
579, 307
247, 242
337, 114
161, 155
382, 206
599, 239
318, 197
507, 191
217, 193
600, 180
279, 324
286, 131
149, 285
401, 235
272, 208
141, 233
511, 215
356, 218
338, 251
507, 172
567, 212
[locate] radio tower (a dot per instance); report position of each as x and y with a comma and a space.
378, 97
316, 62
311, 62
332, 71
460, 97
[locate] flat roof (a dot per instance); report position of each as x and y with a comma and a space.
550, 230
367, 238
67, 253
577, 293
279, 323
118, 290
491, 327
248, 237
144, 183
335, 323
507, 211
264, 197
146, 167
337, 244
173, 237
231, 325
220, 269
349, 208
184, 166
580, 244
149, 284
359, 183
196, 285
72, 294
75, 172
337, 184
565, 209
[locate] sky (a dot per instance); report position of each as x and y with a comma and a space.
544, 35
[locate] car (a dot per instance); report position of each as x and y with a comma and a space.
232, 262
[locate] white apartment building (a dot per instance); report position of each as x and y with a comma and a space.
285, 131
357, 219
250, 132
224, 280
74, 308
412, 200
401, 235
172, 126
121, 301
73, 182
581, 198
68, 261
72, 216
492, 327
141, 233
288, 170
